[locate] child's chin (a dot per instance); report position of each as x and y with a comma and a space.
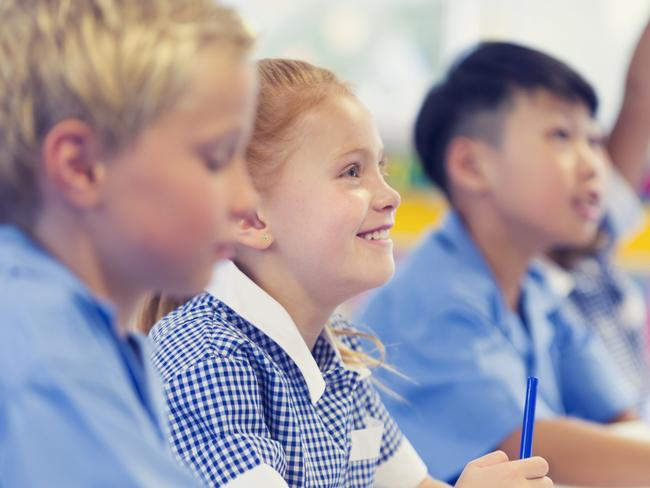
189, 285
381, 277
578, 242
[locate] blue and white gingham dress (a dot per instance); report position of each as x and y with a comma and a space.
238, 401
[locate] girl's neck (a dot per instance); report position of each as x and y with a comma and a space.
309, 316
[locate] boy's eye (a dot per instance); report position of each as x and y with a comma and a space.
213, 164
218, 153
560, 134
596, 141
352, 171
219, 159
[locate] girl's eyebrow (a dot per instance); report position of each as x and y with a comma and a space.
367, 153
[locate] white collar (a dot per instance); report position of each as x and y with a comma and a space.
231, 286
559, 280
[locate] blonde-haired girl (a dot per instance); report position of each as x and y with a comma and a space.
265, 385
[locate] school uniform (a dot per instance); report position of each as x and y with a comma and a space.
448, 328
251, 405
80, 405
599, 293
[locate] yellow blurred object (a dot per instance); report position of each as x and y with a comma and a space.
634, 253
418, 212
422, 210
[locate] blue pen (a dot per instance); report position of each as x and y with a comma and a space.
529, 419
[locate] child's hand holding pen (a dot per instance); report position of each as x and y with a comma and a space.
494, 469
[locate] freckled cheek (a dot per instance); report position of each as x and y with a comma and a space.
304, 228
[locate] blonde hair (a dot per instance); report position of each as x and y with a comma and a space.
115, 64
288, 90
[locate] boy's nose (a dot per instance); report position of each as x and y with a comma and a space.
244, 195
592, 162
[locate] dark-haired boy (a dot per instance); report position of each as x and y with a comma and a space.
510, 138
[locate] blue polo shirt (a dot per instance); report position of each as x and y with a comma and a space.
80, 406
448, 328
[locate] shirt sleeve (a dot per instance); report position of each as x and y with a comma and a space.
593, 387
464, 390
399, 465
217, 424
64, 427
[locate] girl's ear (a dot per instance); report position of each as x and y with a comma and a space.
253, 232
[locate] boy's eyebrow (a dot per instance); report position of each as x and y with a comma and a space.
599, 137
211, 143
568, 107
569, 116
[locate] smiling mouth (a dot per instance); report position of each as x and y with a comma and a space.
377, 235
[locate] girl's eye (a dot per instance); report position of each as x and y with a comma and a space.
352, 171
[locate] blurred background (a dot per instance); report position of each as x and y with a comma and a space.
393, 50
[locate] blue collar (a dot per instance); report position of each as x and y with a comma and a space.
20, 255
537, 291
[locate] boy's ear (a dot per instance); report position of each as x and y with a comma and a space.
468, 164
254, 232
70, 162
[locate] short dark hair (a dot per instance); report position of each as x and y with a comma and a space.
483, 83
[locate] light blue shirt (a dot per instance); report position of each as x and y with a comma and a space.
79, 406
447, 327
